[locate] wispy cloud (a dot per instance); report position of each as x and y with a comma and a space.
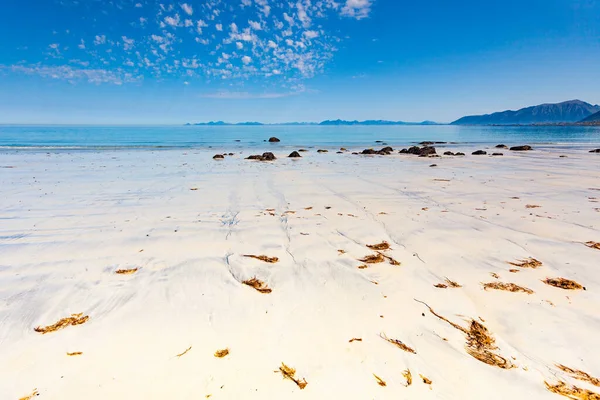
247, 95
275, 43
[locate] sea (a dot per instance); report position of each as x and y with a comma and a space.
231, 138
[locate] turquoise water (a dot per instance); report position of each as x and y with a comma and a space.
232, 137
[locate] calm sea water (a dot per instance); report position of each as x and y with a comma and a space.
232, 137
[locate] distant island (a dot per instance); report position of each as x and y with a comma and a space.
569, 112
325, 123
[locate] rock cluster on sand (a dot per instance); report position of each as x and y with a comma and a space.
264, 157
294, 154
274, 140
218, 157
479, 153
501, 146
386, 151
424, 151
595, 151
521, 148
322, 151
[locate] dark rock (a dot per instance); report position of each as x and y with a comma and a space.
433, 165
595, 151
521, 148
563, 156
403, 151
448, 153
230, 154
268, 156
322, 151
497, 154
354, 153
379, 141
274, 140
368, 151
479, 153
459, 154
426, 143
343, 149
302, 150
427, 151
388, 149
339, 152
501, 146
218, 157
265, 157
294, 154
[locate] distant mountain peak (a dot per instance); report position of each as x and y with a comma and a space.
567, 111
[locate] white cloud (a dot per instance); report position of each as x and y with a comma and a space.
311, 34
239, 45
246, 95
357, 8
127, 43
187, 9
255, 25
173, 21
99, 39
246, 60
219, 27
74, 75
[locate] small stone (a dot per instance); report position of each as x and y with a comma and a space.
459, 154
218, 157
595, 151
322, 151
448, 153
479, 153
497, 154
268, 156
501, 146
294, 154
274, 140
433, 165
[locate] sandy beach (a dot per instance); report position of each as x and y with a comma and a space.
179, 226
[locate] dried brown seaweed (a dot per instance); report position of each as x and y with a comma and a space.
257, 284
126, 271
572, 392
289, 373
380, 246
364, 266
426, 380
380, 381
593, 245
221, 353
355, 340
448, 284
270, 260
184, 353
373, 259
390, 259
75, 353
480, 344
563, 283
31, 396
509, 287
74, 319
532, 206
408, 376
441, 286
580, 375
527, 263
397, 343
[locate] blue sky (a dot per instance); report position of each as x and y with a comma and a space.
163, 61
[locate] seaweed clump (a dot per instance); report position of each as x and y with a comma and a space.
74, 319
258, 285
398, 344
290, 373
563, 283
509, 287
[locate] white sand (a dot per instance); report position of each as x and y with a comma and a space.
70, 220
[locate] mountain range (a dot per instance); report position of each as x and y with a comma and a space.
327, 122
594, 118
566, 112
